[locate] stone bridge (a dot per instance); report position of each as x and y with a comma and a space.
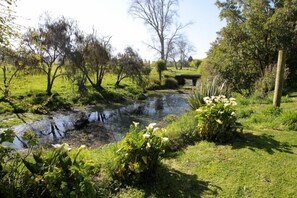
181, 79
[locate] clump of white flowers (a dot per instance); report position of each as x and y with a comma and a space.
217, 119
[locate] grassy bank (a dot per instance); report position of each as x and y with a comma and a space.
259, 163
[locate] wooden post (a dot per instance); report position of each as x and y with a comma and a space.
279, 79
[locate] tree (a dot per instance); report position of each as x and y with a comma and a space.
50, 43
160, 15
160, 66
129, 64
183, 49
91, 56
249, 43
7, 25
11, 63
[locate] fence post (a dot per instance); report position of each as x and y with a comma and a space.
279, 79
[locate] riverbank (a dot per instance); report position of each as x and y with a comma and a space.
97, 125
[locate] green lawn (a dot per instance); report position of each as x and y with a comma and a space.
260, 163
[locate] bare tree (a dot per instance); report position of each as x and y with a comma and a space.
161, 16
183, 49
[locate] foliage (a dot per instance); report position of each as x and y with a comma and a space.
7, 24
59, 175
91, 55
209, 88
249, 43
170, 83
217, 120
160, 66
9, 163
195, 63
130, 65
139, 154
50, 44
266, 83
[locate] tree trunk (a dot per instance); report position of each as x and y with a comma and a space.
279, 78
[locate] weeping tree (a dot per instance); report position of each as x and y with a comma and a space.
161, 17
50, 43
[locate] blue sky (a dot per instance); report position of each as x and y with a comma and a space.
111, 18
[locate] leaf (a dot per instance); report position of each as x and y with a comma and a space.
144, 158
37, 158
33, 168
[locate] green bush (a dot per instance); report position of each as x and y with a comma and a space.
138, 155
266, 83
5, 107
170, 83
210, 88
217, 121
57, 174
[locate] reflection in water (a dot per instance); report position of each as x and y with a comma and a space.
116, 122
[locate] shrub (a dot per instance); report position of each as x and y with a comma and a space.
160, 66
170, 83
139, 154
216, 120
210, 88
266, 83
58, 175
5, 107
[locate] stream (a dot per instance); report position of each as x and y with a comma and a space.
95, 128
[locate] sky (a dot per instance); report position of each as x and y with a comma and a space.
111, 18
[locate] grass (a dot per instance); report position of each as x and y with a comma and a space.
259, 163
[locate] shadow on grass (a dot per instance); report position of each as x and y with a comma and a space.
263, 142
173, 183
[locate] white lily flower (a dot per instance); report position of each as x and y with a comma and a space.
136, 124
146, 135
219, 121
148, 145
165, 139
155, 129
57, 145
150, 126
